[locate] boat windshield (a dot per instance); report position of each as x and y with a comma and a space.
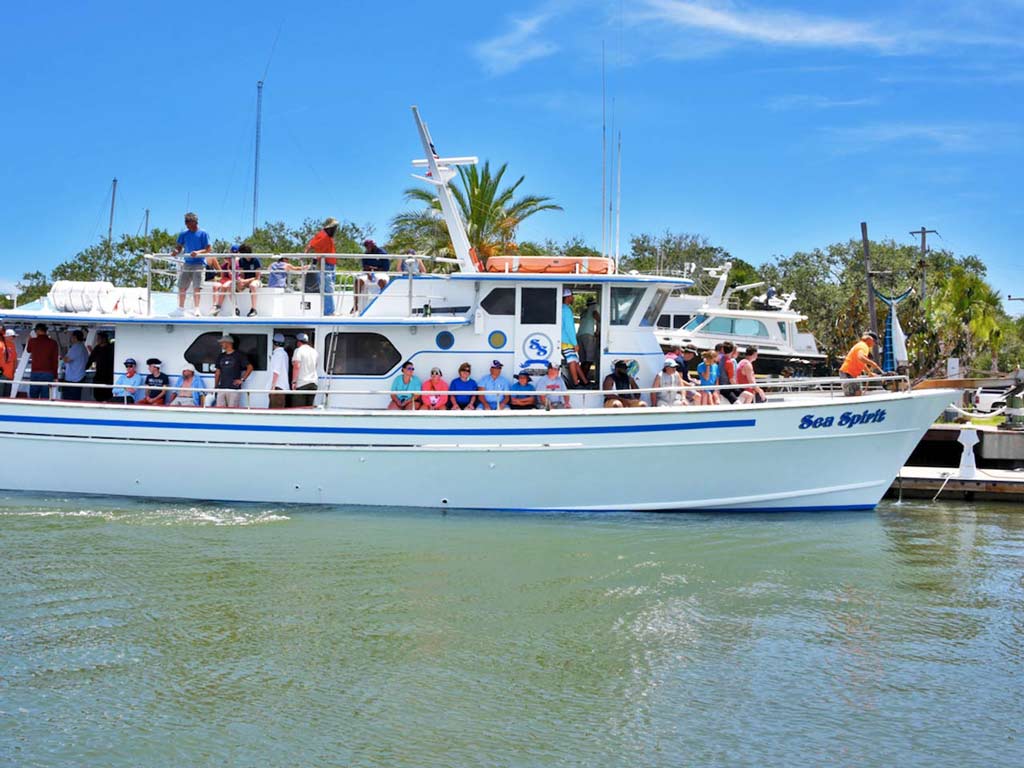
695, 323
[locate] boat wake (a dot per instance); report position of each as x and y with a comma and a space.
148, 514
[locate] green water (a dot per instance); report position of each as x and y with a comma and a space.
151, 634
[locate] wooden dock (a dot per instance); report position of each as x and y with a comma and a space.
946, 483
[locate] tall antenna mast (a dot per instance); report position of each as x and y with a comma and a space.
604, 153
145, 228
611, 186
618, 202
256, 166
113, 198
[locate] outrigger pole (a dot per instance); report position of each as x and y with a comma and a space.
440, 171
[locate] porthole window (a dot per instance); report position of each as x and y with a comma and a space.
359, 354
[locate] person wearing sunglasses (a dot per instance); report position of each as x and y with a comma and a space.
403, 389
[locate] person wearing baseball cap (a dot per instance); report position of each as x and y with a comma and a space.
858, 360
128, 387
230, 372
279, 373
304, 375
323, 243
8, 359
497, 386
189, 392
570, 344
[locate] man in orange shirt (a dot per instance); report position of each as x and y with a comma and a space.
323, 242
857, 360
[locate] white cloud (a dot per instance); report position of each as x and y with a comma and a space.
769, 27
810, 101
943, 137
519, 45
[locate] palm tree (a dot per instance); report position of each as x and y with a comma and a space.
491, 212
965, 314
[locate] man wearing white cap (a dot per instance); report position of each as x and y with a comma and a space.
570, 345
279, 373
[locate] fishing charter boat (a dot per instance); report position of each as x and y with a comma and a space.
771, 325
800, 450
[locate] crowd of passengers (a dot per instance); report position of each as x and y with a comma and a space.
719, 376
243, 273
675, 385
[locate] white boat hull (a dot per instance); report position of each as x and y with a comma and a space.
721, 458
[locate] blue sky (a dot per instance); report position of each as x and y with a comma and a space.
766, 127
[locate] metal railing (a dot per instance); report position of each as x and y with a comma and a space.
830, 386
343, 283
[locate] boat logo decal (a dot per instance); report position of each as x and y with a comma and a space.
847, 419
537, 348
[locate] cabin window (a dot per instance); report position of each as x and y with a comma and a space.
665, 321
500, 301
782, 330
655, 308
624, 302
745, 326
719, 325
203, 352
359, 354
538, 306
694, 324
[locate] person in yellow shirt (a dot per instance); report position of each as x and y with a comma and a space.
858, 359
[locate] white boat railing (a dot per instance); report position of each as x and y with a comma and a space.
831, 386
343, 282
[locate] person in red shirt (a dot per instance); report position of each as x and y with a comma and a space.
323, 242
44, 354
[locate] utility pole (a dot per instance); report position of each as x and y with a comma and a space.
872, 313
924, 251
256, 167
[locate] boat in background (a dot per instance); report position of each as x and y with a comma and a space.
773, 326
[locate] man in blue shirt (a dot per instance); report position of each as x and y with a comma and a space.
74, 366
498, 384
570, 346
128, 387
194, 242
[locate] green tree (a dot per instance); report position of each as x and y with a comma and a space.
492, 213
671, 253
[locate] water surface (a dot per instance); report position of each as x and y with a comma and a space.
162, 634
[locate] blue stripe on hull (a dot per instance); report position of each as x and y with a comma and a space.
512, 431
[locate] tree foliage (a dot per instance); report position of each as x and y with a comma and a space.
492, 213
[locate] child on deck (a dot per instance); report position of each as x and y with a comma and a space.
707, 372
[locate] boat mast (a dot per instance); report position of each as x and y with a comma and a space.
256, 166
440, 171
